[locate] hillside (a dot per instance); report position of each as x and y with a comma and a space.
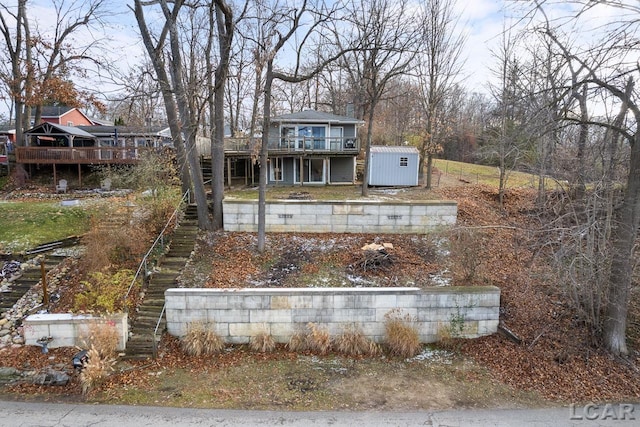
555, 360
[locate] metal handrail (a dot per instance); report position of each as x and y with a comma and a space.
160, 238
155, 331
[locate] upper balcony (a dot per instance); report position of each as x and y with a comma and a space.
293, 145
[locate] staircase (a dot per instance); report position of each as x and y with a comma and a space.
141, 339
29, 278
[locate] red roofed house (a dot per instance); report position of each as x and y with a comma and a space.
66, 116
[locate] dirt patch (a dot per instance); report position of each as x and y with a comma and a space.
238, 378
314, 260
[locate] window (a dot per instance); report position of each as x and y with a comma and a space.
69, 123
404, 162
275, 171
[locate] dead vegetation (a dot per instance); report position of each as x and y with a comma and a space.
555, 358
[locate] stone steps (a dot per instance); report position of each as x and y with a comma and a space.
141, 340
21, 285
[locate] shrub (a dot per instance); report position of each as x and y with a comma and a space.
104, 292
318, 339
466, 247
262, 343
95, 370
298, 341
102, 336
401, 334
201, 340
353, 342
113, 243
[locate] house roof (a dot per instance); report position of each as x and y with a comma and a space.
394, 149
55, 110
313, 116
101, 130
54, 128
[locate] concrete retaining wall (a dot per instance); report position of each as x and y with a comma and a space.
68, 330
361, 216
239, 314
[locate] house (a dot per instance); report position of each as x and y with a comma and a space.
393, 166
313, 147
54, 144
63, 115
307, 147
4, 151
8, 133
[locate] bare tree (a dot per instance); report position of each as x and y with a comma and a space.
284, 24
222, 15
507, 135
56, 57
610, 65
388, 41
140, 102
155, 49
19, 77
440, 64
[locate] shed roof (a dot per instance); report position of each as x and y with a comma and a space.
394, 149
313, 116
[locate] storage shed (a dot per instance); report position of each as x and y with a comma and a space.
393, 166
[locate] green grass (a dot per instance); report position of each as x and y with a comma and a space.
27, 224
489, 175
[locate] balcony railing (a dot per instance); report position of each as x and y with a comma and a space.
112, 155
79, 155
294, 145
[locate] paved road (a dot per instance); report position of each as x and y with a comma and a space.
21, 414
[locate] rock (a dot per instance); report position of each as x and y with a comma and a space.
51, 378
4, 332
8, 371
3, 321
18, 340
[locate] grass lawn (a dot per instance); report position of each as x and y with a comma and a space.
479, 174
27, 224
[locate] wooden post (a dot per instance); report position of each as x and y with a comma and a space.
79, 175
301, 171
45, 294
229, 172
55, 178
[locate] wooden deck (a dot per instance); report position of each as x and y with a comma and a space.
234, 147
79, 155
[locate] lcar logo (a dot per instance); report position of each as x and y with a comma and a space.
609, 411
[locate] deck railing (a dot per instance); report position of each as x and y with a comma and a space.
299, 144
79, 155
111, 155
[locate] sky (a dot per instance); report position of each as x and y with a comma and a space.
482, 22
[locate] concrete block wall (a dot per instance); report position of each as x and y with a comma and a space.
239, 314
360, 216
68, 330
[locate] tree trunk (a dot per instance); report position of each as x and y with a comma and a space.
623, 240
367, 152
262, 187
429, 170
224, 23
